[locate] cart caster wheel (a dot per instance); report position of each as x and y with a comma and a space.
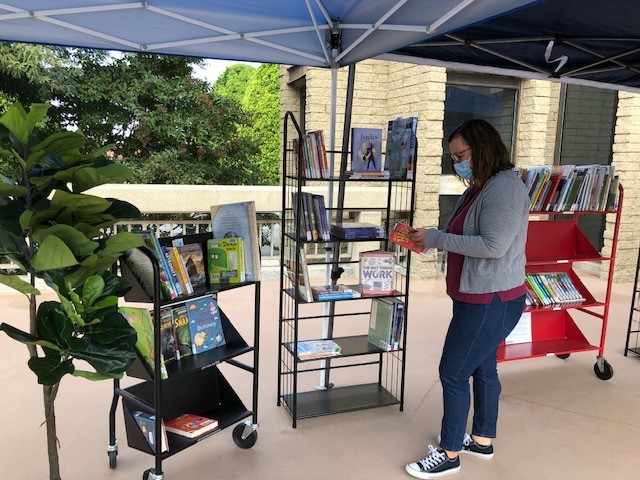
248, 442
113, 459
607, 370
563, 356
151, 475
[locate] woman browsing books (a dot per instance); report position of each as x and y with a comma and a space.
485, 239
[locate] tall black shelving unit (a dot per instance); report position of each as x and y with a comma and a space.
382, 373
633, 330
195, 384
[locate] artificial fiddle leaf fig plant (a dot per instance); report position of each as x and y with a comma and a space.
51, 229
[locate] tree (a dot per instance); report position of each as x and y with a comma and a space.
262, 99
233, 82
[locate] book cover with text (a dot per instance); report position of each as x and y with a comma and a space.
366, 149
205, 324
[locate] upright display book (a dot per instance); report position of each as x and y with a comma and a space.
400, 236
205, 324
225, 258
311, 349
357, 230
193, 259
184, 347
167, 335
304, 287
366, 150
338, 292
140, 320
385, 323
190, 425
401, 144
239, 220
377, 272
147, 424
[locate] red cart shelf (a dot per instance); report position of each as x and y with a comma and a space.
555, 246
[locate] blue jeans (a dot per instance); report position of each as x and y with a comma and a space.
470, 347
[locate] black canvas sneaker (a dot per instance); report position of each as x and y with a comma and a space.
469, 445
435, 465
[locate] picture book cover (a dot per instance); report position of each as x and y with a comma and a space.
181, 270
184, 346
310, 349
400, 236
337, 292
401, 144
190, 425
225, 257
166, 282
366, 149
205, 324
167, 335
193, 259
239, 220
377, 272
381, 322
142, 270
140, 320
147, 424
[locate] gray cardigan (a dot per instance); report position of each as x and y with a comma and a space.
494, 236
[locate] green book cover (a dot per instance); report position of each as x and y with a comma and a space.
381, 324
225, 257
140, 320
183, 333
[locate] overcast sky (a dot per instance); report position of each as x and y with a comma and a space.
215, 67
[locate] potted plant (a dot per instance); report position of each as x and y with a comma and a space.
51, 229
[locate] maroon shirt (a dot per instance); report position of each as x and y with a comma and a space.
455, 261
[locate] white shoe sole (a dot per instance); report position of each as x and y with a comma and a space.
424, 475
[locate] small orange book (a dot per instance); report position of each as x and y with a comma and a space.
190, 426
400, 236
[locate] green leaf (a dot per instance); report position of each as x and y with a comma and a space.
18, 284
18, 335
52, 324
92, 289
110, 359
15, 121
122, 242
83, 178
50, 370
53, 254
60, 142
123, 210
12, 190
114, 327
80, 245
94, 376
37, 111
88, 204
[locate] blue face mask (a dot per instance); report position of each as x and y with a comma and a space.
463, 169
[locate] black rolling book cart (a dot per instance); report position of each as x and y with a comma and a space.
380, 374
195, 384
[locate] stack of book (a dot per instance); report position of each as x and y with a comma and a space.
337, 292
310, 156
312, 349
385, 323
570, 187
312, 221
357, 230
552, 288
190, 425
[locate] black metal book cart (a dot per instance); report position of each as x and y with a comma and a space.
195, 384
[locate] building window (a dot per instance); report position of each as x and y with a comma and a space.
493, 99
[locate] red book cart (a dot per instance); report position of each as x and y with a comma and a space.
557, 246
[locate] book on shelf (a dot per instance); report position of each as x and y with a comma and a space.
311, 216
172, 272
366, 150
180, 269
205, 324
521, 332
147, 424
184, 346
239, 220
385, 323
304, 287
140, 320
312, 349
333, 292
190, 425
225, 258
142, 269
310, 155
168, 341
553, 288
357, 230
193, 258
400, 236
377, 269
401, 145
368, 175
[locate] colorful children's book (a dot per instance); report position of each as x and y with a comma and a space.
225, 257
377, 272
311, 349
193, 259
239, 220
385, 323
401, 144
366, 149
142, 269
191, 426
167, 335
205, 324
400, 236
183, 333
338, 292
147, 424
140, 320
181, 270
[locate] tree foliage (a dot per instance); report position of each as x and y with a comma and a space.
233, 82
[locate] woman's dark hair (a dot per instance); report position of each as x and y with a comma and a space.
489, 154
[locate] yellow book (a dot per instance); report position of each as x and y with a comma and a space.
225, 257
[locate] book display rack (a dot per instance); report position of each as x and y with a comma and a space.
554, 247
633, 330
343, 317
195, 384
